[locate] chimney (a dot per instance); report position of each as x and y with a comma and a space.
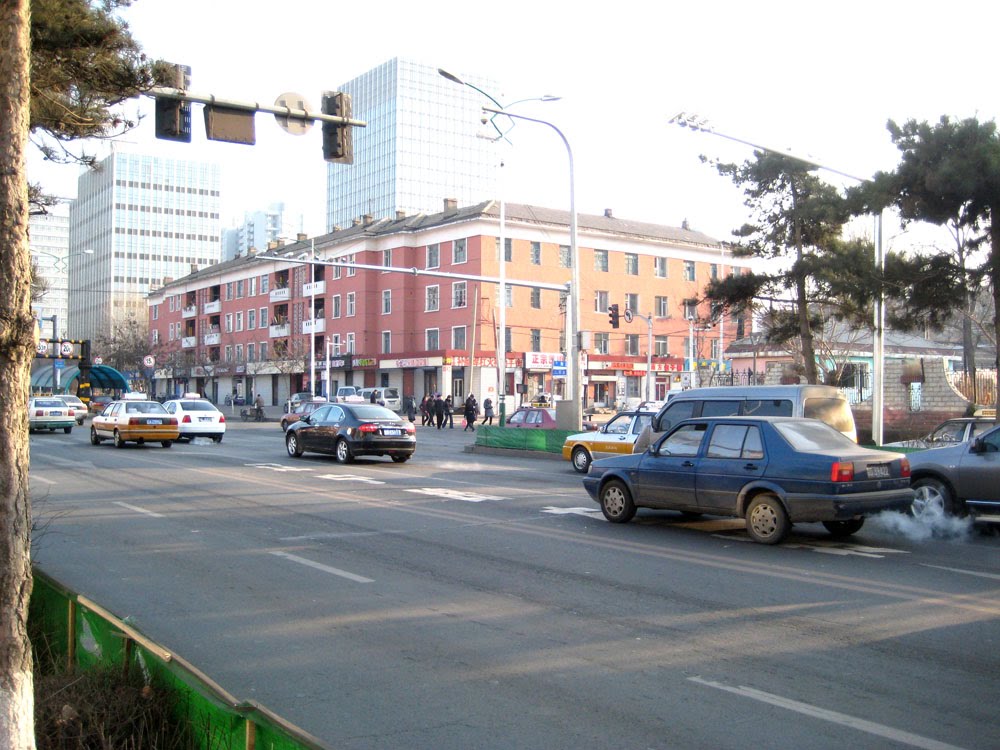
368, 220
355, 222
194, 268
400, 215
168, 280
608, 213
301, 237
450, 204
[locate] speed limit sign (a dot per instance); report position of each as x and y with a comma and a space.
148, 360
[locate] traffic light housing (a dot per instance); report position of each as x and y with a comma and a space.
613, 315
173, 116
338, 141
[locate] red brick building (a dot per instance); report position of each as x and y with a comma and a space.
424, 321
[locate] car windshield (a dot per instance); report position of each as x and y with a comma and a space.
373, 411
810, 435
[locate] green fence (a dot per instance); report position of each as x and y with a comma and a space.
85, 635
520, 438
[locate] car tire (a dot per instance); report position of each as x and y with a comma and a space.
166, 443
581, 459
217, 438
767, 521
616, 502
292, 445
931, 498
400, 459
343, 452
842, 529
119, 442
67, 430
94, 439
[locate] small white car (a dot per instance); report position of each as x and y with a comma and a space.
79, 408
50, 413
197, 417
616, 437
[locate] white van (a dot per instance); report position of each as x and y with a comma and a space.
387, 397
822, 402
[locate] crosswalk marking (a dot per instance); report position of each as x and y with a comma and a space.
348, 478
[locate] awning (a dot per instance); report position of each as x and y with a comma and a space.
101, 376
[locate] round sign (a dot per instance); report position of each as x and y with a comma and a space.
148, 360
98, 360
66, 349
628, 315
293, 125
42, 347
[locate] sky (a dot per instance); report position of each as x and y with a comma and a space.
817, 79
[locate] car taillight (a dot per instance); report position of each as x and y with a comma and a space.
187, 419
410, 429
135, 420
39, 413
222, 418
368, 427
842, 471
904, 467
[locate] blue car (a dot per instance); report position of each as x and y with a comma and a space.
772, 471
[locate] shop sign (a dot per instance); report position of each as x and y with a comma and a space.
541, 360
364, 362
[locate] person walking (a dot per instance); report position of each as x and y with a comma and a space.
449, 412
439, 411
488, 411
411, 408
258, 406
471, 410
424, 411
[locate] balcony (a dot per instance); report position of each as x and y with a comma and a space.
190, 311
279, 331
189, 342
280, 294
317, 325
211, 307
315, 287
212, 339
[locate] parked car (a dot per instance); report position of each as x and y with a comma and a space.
50, 413
949, 432
97, 404
134, 419
533, 417
347, 431
615, 437
387, 397
772, 471
79, 408
348, 394
197, 417
959, 479
306, 407
297, 398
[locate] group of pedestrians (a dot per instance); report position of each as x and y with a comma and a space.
439, 412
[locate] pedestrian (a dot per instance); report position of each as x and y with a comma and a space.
449, 412
471, 410
411, 408
488, 411
424, 412
373, 398
258, 406
439, 411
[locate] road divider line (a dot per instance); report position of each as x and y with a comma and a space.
324, 568
137, 509
964, 572
863, 725
43, 480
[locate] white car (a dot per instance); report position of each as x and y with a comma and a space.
197, 417
49, 413
79, 408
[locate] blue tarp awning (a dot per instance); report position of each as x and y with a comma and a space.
103, 377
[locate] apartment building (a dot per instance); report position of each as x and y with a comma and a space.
411, 302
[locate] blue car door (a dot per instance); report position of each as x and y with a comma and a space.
733, 456
665, 477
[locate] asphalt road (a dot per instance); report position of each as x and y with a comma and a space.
464, 600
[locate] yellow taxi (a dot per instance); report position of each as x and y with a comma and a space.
134, 419
616, 437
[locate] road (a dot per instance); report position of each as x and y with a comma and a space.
463, 600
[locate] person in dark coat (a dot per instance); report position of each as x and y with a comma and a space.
488, 411
424, 410
449, 413
411, 408
439, 411
373, 397
471, 410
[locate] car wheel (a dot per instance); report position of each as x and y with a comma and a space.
581, 459
616, 502
217, 438
292, 444
841, 529
343, 452
931, 499
166, 443
400, 459
119, 442
94, 440
67, 430
767, 522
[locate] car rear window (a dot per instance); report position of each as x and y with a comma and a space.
49, 403
197, 406
813, 436
836, 412
374, 411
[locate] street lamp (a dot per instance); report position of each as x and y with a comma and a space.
502, 259
694, 122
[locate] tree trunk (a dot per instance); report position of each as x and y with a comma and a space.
802, 300
17, 331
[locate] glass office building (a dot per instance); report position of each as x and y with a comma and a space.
422, 145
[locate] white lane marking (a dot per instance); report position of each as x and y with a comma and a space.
827, 548
278, 467
588, 512
324, 568
348, 478
994, 576
469, 497
137, 509
43, 480
880, 730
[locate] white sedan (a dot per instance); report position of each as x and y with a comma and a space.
50, 414
197, 417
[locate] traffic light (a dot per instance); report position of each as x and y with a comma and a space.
173, 116
338, 141
613, 315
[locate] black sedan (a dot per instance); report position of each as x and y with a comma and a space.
772, 471
347, 431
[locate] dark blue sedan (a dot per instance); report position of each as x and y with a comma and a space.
772, 471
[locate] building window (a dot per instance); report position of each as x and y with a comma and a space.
239, 352
536, 339
432, 299
432, 338
336, 306
602, 343
660, 267
262, 351
251, 319
334, 345
508, 297
632, 302
337, 272
690, 309
661, 347
229, 290
386, 301
262, 317
252, 286
631, 264
632, 344
459, 251
713, 271
601, 260
251, 352
229, 322
458, 294
156, 311
601, 301
239, 321
689, 270
507, 339
715, 349
458, 337
536, 253
349, 341
349, 312
229, 353
386, 342
239, 289
508, 249
386, 258
536, 299
565, 256
433, 256
264, 283
661, 304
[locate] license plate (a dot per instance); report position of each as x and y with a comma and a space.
204, 419
154, 421
56, 414
392, 432
878, 471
